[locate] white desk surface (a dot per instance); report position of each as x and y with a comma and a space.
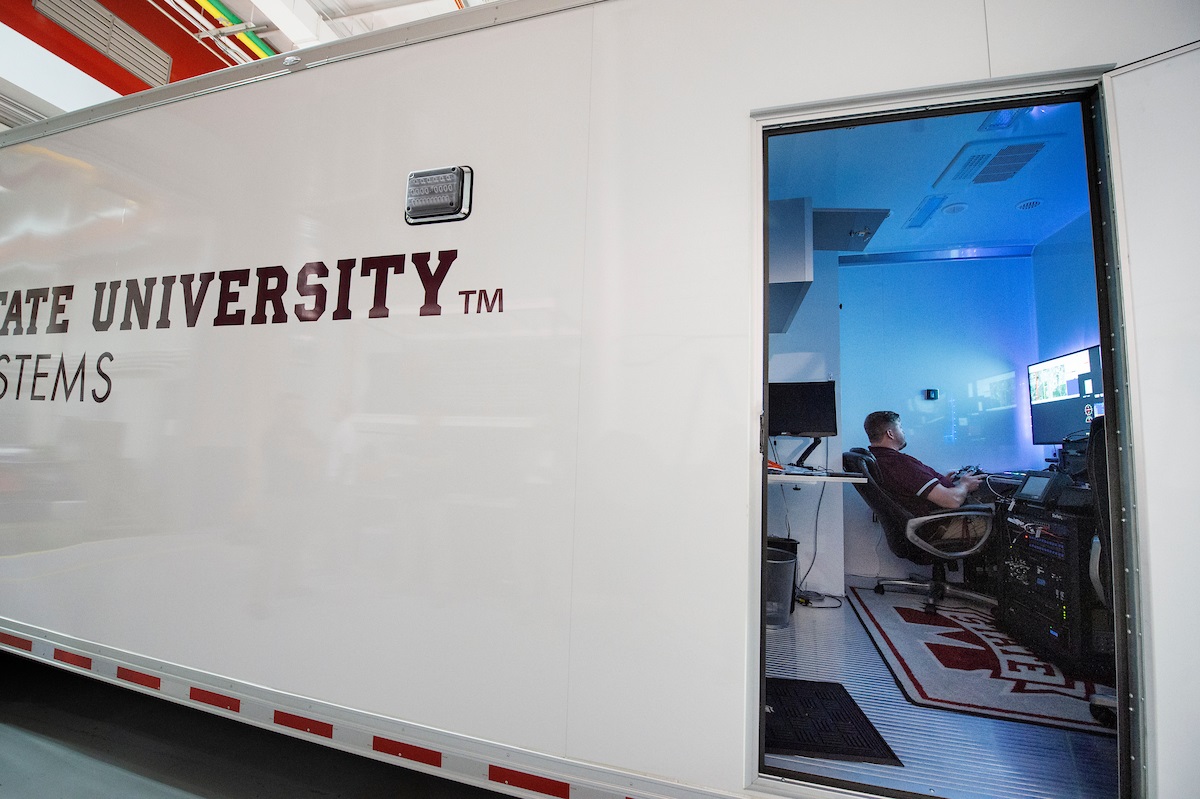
812, 478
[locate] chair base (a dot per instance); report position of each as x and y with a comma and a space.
937, 591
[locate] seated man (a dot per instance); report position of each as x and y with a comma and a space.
919, 488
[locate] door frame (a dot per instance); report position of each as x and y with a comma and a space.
1079, 85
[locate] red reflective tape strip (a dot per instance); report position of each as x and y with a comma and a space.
15, 642
148, 680
321, 728
216, 700
407, 751
70, 658
530, 782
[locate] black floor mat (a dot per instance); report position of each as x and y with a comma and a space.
820, 719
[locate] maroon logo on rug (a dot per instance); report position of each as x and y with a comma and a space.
969, 641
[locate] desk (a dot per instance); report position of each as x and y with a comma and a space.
801, 507
812, 478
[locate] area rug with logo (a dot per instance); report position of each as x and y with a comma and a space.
956, 659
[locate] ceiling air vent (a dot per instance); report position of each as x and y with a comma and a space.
99, 27
991, 161
1008, 162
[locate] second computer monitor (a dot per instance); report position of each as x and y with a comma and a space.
1065, 394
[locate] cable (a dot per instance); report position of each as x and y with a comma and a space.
998, 493
801, 595
787, 521
807, 598
817, 522
816, 536
787, 517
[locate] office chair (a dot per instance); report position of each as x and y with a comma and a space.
934, 540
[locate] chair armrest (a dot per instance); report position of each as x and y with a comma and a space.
953, 533
976, 510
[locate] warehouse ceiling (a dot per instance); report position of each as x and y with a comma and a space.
61, 55
900, 187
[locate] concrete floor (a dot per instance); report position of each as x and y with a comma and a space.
66, 735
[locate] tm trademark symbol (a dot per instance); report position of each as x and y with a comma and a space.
485, 302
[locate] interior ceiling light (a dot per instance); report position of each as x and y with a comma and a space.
924, 210
924, 256
954, 208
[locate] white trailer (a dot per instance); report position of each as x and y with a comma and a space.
485, 498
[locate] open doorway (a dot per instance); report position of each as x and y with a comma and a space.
941, 265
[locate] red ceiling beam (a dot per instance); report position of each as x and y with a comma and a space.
188, 56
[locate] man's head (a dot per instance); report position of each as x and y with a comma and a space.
883, 430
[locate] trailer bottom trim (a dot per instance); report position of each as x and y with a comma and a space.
472, 761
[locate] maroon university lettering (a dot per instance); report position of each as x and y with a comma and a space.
259, 296
372, 287
22, 310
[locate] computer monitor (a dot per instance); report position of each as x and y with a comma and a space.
1065, 394
807, 410
803, 410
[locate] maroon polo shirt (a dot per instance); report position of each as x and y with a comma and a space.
908, 480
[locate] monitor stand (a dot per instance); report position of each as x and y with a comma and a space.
816, 442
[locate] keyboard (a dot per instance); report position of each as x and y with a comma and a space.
1006, 477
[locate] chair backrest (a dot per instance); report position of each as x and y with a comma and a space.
891, 514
